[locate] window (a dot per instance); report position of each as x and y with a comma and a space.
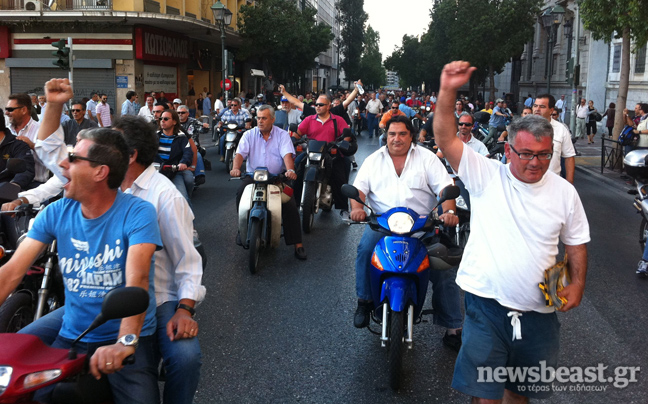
640, 63
616, 58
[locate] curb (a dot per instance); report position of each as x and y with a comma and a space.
620, 184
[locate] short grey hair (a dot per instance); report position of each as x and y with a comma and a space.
466, 114
536, 125
186, 108
237, 99
266, 107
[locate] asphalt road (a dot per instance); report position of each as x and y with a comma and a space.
285, 335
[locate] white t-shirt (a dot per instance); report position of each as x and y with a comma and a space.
421, 180
477, 145
218, 105
562, 145
514, 231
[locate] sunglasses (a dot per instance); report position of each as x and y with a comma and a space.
166, 118
319, 104
104, 99
12, 109
76, 110
394, 108
73, 157
465, 124
182, 113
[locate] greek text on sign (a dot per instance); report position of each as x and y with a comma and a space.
156, 45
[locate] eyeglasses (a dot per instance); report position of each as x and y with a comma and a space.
12, 109
530, 156
165, 118
73, 157
465, 124
319, 104
182, 113
394, 108
76, 110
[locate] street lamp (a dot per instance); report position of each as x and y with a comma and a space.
224, 17
551, 19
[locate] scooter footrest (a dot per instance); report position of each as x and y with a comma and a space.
427, 312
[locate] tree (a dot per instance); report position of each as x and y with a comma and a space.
285, 37
373, 73
406, 61
607, 19
352, 18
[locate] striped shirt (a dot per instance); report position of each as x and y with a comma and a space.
104, 110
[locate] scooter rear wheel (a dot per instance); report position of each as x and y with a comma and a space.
255, 245
16, 312
396, 347
643, 233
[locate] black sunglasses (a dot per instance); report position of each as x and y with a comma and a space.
319, 104
166, 118
465, 124
182, 113
12, 109
73, 157
76, 110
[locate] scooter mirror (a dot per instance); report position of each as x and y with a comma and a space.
124, 302
292, 127
351, 192
449, 192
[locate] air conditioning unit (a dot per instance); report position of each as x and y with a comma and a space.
33, 5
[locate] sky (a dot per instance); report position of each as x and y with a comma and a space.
393, 20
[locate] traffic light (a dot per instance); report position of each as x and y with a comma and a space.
576, 75
62, 53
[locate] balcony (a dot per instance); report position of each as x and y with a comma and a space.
54, 5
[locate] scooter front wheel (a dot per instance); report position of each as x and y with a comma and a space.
16, 312
255, 245
396, 347
643, 233
229, 159
308, 214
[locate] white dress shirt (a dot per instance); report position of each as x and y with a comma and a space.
421, 180
31, 132
562, 145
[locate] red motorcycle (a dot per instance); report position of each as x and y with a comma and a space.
28, 365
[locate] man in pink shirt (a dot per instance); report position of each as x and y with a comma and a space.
104, 118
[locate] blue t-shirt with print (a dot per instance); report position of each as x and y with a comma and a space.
497, 120
92, 258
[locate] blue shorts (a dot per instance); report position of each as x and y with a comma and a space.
487, 344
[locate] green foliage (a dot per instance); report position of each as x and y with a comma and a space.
487, 33
606, 19
352, 19
284, 36
372, 72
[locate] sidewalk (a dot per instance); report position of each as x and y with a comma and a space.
589, 162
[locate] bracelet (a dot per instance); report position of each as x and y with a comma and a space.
290, 171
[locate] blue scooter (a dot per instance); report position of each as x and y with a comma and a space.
400, 270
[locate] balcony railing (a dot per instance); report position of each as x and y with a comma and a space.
55, 5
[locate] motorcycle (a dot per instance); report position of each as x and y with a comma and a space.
317, 193
358, 122
27, 364
636, 166
259, 214
400, 271
233, 134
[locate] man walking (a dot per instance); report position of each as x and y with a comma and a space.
128, 106
104, 117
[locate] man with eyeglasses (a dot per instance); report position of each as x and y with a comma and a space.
72, 127
104, 117
464, 126
508, 322
174, 149
393, 111
562, 144
234, 114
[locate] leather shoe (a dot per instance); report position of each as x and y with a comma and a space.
452, 341
300, 253
361, 317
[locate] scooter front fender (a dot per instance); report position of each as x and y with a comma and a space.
399, 292
311, 173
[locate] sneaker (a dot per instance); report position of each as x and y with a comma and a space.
355, 165
642, 269
361, 316
344, 214
452, 341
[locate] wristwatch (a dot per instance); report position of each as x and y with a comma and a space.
452, 212
290, 171
129, 340
190, 309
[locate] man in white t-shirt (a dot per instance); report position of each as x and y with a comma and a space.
562, 144
520, 212
465, 124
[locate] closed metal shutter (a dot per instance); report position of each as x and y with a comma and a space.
86, 81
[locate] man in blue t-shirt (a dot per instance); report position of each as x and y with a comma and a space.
497, 119
105, 240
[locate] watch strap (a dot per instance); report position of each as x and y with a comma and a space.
190, 309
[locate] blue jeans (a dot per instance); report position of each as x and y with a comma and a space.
184, 181
372, 123
136, 383
182, 360
445, 292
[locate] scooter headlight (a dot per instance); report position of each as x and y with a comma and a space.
5, 377
232, 126
400, 223
461, 203
261, 175
314, 156
38, 378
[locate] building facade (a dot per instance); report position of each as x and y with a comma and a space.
118, 46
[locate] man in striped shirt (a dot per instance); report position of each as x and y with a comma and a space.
104, 118
174, 149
